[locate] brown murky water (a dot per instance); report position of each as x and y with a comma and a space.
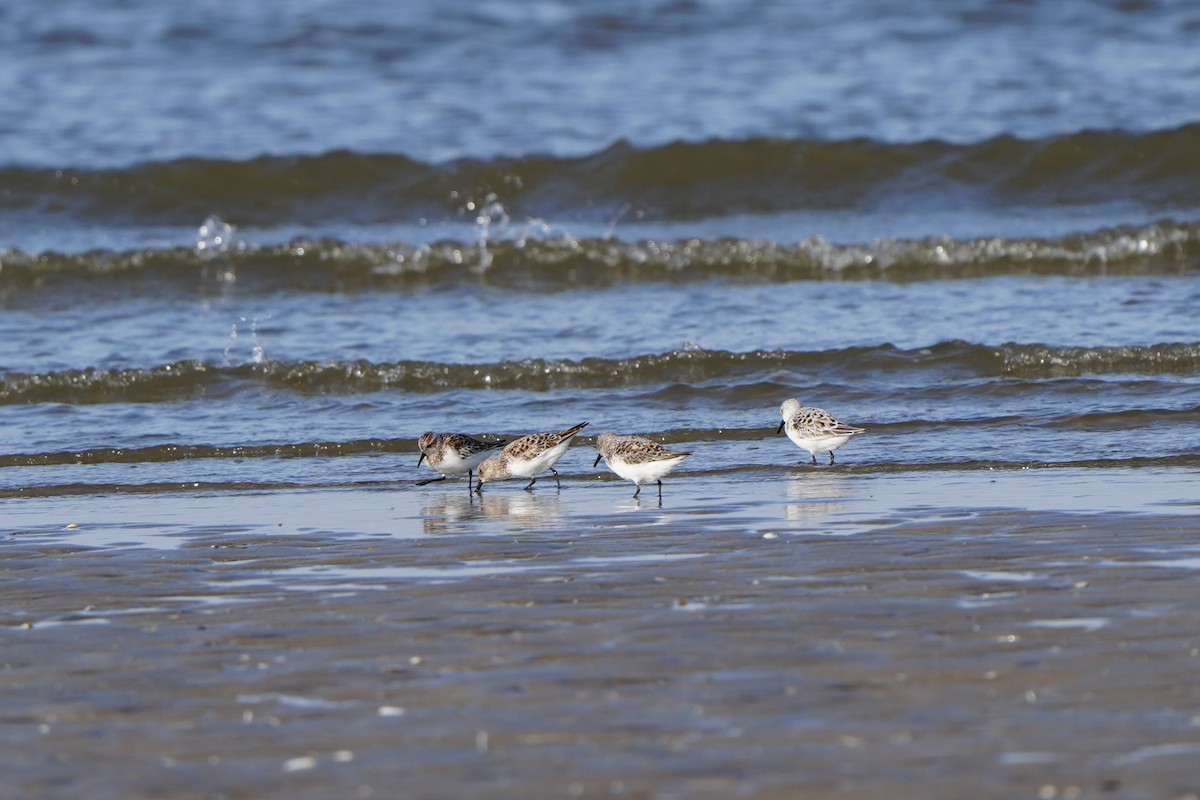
714, 647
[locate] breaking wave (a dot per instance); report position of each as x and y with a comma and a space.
187, 379
565, 263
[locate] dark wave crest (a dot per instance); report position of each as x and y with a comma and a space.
1043, 361
1182, 460
677, 181
564, 263
680, 367
184, 452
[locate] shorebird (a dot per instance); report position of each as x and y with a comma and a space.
637, 459
528, 457
814, 429
452, 454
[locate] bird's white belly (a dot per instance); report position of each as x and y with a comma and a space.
540, 463
455, 464
818, 444
646, 472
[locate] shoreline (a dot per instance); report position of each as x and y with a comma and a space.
573, 643
784, 501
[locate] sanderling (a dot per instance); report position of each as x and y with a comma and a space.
453, 454
528, 457
814, 429
637, 459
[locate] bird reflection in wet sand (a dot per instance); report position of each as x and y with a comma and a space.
526, 511
456, 513
815, 497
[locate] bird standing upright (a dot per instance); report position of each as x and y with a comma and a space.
814, 429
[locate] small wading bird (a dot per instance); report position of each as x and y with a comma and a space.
452, 454
528, 457
814, 429
637, 459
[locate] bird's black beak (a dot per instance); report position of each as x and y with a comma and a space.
597, 461
780, 430
422, 458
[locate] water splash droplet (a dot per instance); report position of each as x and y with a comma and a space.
215, 236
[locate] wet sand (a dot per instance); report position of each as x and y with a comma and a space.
776, 634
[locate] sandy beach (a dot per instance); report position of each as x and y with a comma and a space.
783, 633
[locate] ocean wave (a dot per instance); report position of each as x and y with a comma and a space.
678, 181
691, 367
186, 452
566, 263
1044, 361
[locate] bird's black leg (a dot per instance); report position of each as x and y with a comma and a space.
814, 455
639, 489
532, 481
660, 494
830, 456
431, 480
470, 476
556, 483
